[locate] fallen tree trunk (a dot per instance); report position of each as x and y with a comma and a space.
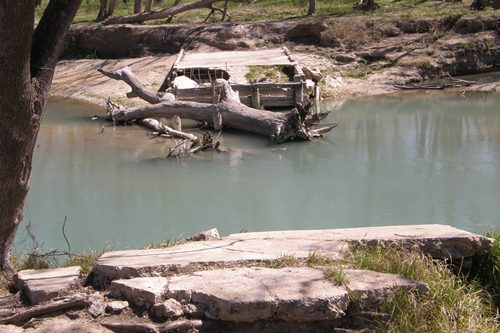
279, 126
165, 13
229, 112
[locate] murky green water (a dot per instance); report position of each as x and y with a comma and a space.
427, 158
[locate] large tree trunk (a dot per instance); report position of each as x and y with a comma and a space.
111, 7
103, 11
137, 6
165, 13
27, 65
312, 8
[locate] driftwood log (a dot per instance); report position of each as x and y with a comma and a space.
228, 112
74, 302
171, 12
176, 326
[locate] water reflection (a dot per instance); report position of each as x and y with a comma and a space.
431, 158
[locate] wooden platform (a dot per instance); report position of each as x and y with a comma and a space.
206, 67
270, 57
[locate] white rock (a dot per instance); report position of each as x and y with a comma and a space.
212, 234
183, 82
168, 309
116, 307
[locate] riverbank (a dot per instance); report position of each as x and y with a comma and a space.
358, 56
338, 280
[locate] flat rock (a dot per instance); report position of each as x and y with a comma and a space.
439, 241
190, 257
371, 288
43, 285
144, 291
250, 294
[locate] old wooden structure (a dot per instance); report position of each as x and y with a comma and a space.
206, 67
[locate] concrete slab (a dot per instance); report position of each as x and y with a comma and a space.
45, 284
437, 240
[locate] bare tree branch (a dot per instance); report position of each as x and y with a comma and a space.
166, 13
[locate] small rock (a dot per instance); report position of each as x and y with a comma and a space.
72, 315
211, 234
96, 309
168, 309
116, 307
313, 74
334, 81
193, 311
344, 58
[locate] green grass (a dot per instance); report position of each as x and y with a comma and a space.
285, 261
336, 275
167, 243
485, 272
269, 10
266, 73
452, 305
85, 261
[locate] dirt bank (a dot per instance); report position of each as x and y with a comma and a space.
359, 56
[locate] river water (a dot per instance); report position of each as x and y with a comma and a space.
406, 159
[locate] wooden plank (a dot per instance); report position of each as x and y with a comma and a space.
298, 74
178, 59
270, 94
234, 59
255, 98
278, 102
262, 85
299, 94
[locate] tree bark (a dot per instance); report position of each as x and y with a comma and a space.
111, 7
103, 11
74, 302
312, 8
165, 13
137, 6
147, 7
27, 65
365, 5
